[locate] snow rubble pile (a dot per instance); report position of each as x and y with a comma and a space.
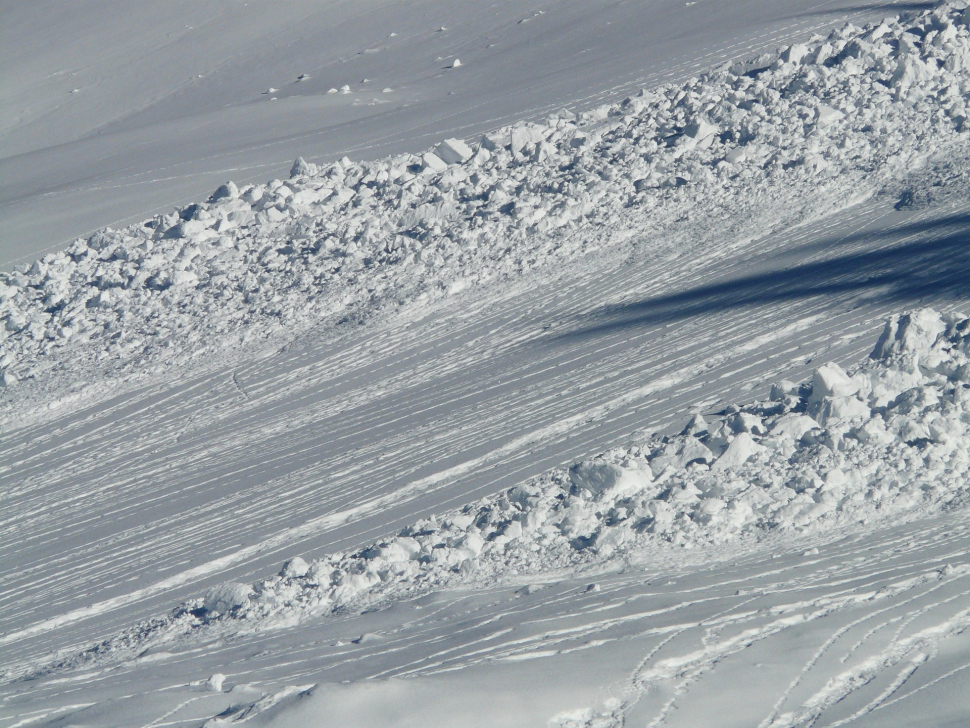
887, 439
842, 115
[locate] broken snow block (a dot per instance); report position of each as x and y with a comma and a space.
453, 151
696, 426
433, 162
299, 168
909, 333
226, 597
794, 54
830, 380
828, 115
295, 568
700, 130
742, 448
228, 191
215, 682
598, 476
525, 135
494, 142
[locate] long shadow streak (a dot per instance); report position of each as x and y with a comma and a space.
938, 268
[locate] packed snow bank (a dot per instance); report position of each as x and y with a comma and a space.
886, 439
829, 120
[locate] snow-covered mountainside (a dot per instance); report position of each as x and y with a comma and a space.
836, 120
111, 111
502, 410
885, 441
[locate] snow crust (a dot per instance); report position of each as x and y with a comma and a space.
883, 440
849, 113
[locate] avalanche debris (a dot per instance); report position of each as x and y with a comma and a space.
886, 439
853, 111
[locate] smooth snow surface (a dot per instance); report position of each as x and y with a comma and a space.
655, 414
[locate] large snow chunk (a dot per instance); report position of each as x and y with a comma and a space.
526, 135
184, 278
226, 597
399, 550
308, 197
470, 546
599, 476
226, 191
830, 380
794, 54
742, 448
910, 71
736, 156
300, 168
793, 426
680, 453
214, 683
909, 333
842, 409
453, 151
700, 129
295, 568
434, 163
827, 115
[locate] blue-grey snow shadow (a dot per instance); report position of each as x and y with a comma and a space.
935, 267
889, 8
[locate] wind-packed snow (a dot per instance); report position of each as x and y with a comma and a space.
886, 440
843, 117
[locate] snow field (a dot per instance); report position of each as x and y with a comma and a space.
572, 554
843, 115
886, 439
872, 626
878, 442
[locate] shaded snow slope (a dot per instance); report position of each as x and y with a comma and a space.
439, 403
865, 626
870, 626
110, 111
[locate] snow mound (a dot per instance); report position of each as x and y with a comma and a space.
840, 116
225, 598
886, 439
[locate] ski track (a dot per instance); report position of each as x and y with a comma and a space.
879, 606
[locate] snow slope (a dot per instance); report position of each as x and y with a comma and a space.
848, 448
119, 110
152, 457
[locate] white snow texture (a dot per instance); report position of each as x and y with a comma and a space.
818, 125
849, 113
886, 440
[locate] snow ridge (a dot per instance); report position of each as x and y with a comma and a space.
882, 440
835, 117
